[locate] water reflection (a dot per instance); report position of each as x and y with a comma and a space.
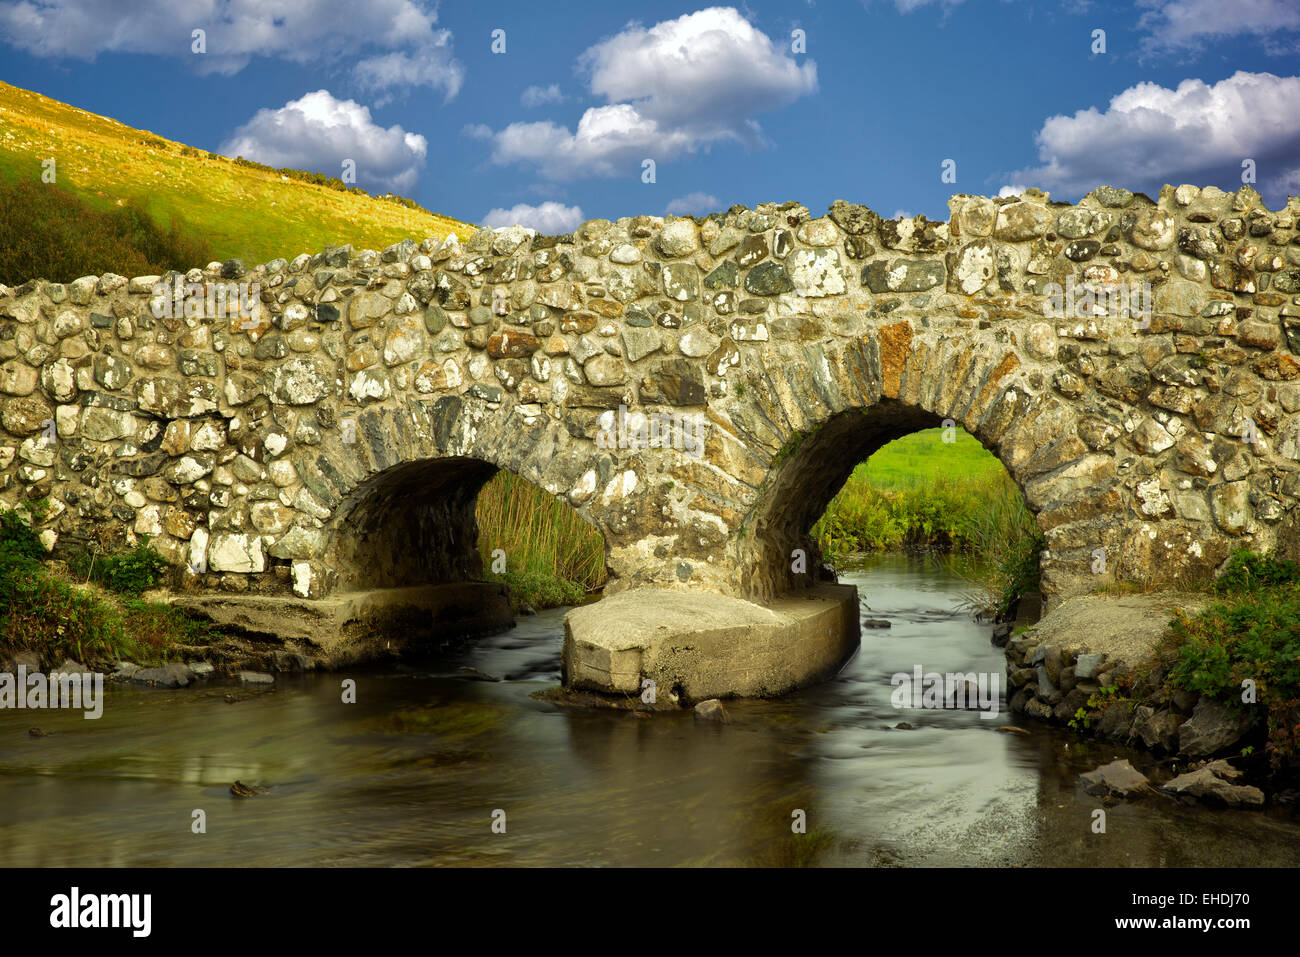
411, 773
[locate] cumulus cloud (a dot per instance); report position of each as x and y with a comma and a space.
1199, 133
318, 132
1015, 189
1190, 25
550, 218
415, 52
693, 204
536, 96
678, 87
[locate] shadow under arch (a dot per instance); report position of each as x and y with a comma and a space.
406, 541
411, 524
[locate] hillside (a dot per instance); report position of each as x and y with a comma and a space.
241, 211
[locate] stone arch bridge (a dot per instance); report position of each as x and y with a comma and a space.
306, 434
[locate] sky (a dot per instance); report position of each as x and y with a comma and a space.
550, 114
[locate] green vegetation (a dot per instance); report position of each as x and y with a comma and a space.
43, 612
1251, 635
244, 210
52, 234
129, 573
1098, 700
920, 492
553, 557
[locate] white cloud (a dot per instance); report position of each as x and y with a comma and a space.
536, 96
550, 218
693, 204
237, 30
703, 67
1191, 25
1198, 133
1015, 189
318, 132
678, 87
901, 214
431, 66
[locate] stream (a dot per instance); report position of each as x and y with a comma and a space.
412, 773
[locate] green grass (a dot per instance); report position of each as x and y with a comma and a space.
920, 492
241, 211
44, 612
1251, 633
552, 557
923, 458
54, 234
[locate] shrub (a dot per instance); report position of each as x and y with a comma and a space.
1253, 634
51, 234
129, 573
1246, 571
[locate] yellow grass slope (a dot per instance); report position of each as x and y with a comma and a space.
245, 213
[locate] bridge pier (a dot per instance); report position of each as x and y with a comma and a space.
696, 645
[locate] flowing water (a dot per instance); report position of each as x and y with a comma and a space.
414, 771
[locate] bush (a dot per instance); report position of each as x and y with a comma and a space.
1253, 634
20, 547
129, 573
41, 611
1246, 571
51, 234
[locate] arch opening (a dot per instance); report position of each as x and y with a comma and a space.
456, 547
953, 493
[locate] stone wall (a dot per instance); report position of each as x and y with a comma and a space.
332, 433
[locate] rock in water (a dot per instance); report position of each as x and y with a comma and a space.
711, 710
1214, 783
1117, 779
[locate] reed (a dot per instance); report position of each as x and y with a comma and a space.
552, 556
924, 494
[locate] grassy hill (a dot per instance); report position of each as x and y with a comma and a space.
241, 211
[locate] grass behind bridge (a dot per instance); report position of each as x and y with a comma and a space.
918, 492
240, 211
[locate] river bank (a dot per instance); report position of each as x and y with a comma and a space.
1206, 681
410, 774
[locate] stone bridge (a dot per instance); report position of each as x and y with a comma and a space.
305, 435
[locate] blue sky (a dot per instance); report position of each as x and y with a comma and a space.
730, 107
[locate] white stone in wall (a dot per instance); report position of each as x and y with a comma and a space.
302, 578
229, 552
816, 272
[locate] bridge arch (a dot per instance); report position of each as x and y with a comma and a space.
1131, 361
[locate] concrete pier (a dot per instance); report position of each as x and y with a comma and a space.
700, 645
